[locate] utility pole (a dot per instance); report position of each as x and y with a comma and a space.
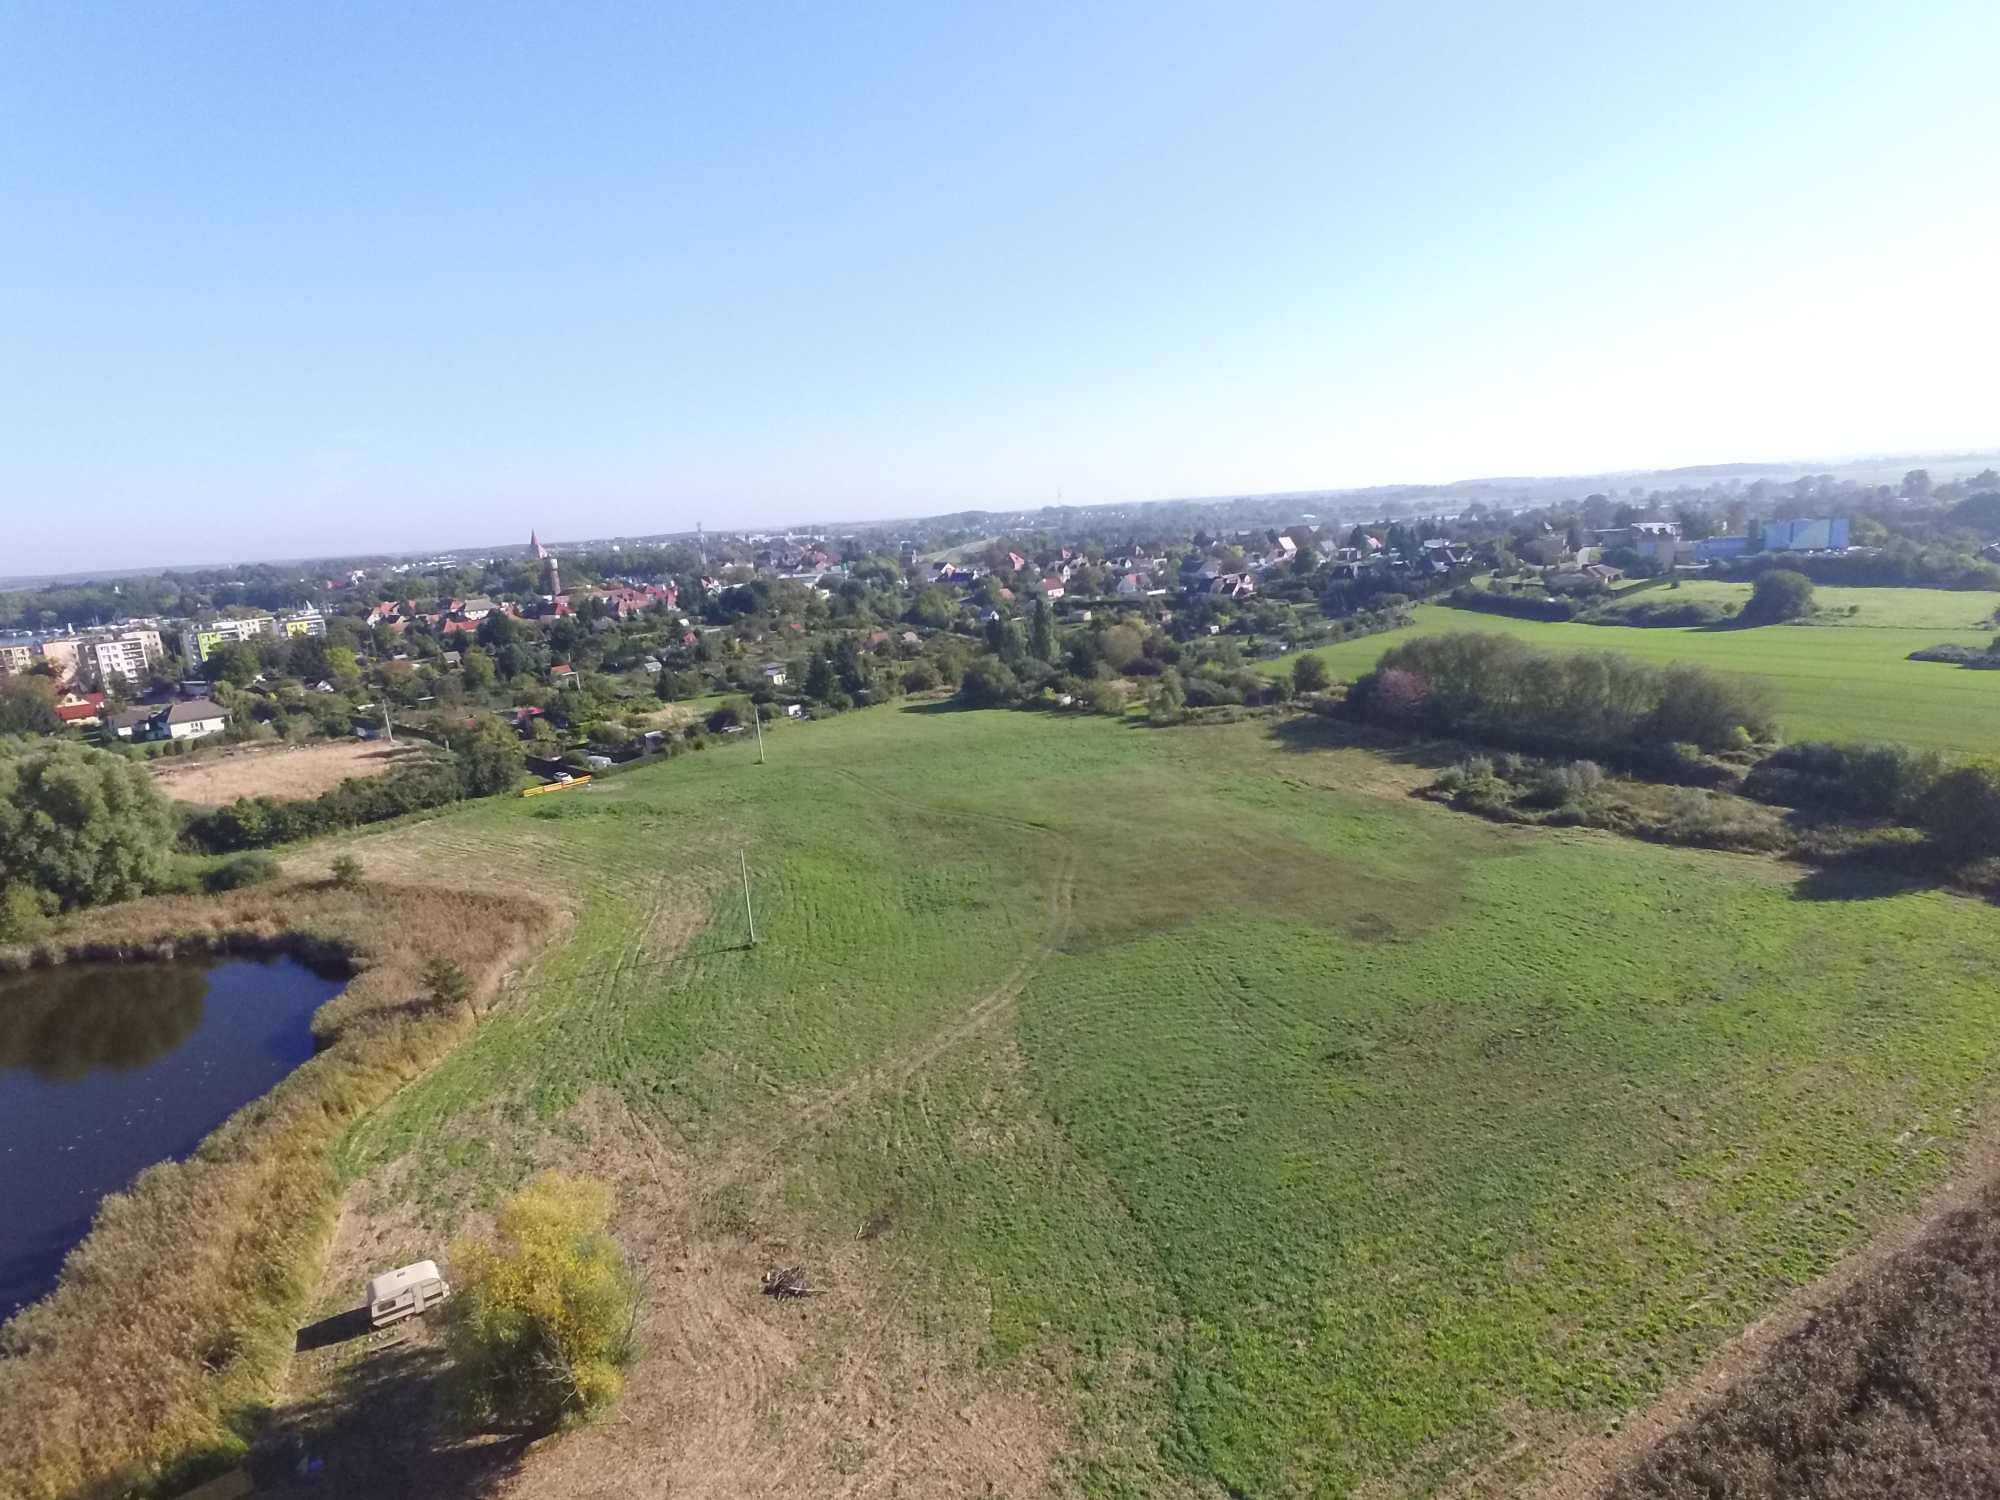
748, 918
388, 729
757, 714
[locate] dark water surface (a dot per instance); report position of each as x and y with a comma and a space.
108, 1068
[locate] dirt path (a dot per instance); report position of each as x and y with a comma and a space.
1589, 1465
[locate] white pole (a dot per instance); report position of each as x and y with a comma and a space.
388, 729
758, 714
747, 917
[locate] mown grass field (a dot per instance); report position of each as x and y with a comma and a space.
1192, 1107
1853, 681
1886, 608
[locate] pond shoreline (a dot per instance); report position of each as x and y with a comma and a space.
173, 1322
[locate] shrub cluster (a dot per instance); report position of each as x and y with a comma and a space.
1520, 606
1492, 688
1873, 781
1901, 565
1985, 658
1660, 613
1957, 805
259, 822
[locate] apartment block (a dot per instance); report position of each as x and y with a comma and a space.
126, 656
198, 640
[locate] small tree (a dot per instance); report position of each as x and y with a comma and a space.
1042, 632
1962, 810
1780, 594
543, 1317
345, 872
448, 984
1309, 675
488, 756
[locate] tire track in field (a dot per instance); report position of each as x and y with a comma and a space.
897, 1067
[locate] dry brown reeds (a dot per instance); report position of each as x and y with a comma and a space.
175, 1317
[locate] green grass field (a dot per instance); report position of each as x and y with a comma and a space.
1260, 1128
1901, 609
1852, 682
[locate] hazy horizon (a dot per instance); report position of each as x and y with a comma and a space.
310, 282
572, 535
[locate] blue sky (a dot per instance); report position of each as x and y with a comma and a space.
293, 279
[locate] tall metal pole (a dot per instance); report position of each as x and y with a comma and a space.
388, 729
747, 917
758, 714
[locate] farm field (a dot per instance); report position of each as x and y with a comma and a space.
285, 771
1160, 1112
1849, 682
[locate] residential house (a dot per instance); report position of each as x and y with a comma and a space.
191, 720
774, 673
563, 675
1656, 541
130, 723
80, 709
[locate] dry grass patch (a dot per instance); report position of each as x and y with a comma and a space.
1888, 1389
284, 771
177, 1315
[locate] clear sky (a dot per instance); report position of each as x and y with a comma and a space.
283, 279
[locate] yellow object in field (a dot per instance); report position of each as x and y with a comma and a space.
555, 786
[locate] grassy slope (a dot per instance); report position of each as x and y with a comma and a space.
1324, 1135
1848, 683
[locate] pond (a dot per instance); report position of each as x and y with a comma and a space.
108, 1068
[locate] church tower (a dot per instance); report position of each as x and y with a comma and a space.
551, 569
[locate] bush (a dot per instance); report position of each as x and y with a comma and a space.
1877, 781
259, 822
1501, 690
244, 869
1309, 675
1520, 606
541, 1321
1961, 810
446, 980
22, 918
1659, 613
1778, 595
345, 871
1987, 657
989, 683
1562, 784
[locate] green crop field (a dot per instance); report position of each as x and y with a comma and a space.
1168, 1112
1917, 609
1854, 682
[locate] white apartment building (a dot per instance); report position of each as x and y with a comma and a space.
126, 656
